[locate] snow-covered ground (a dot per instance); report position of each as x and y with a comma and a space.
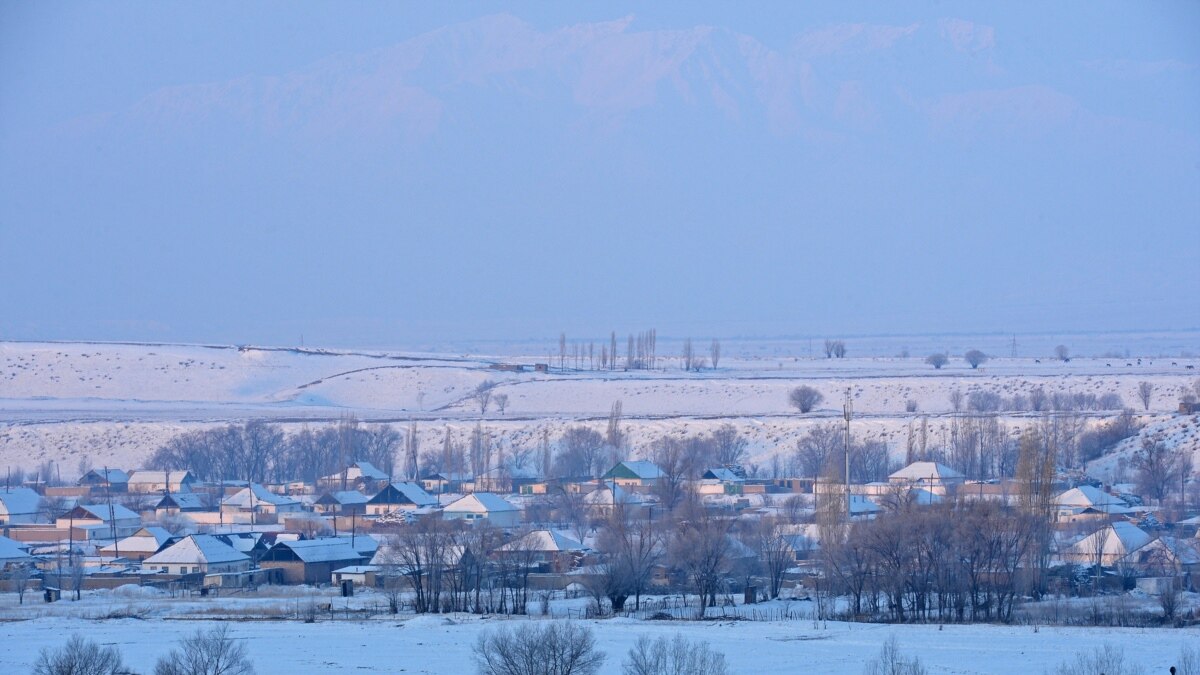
442, 644
115, 403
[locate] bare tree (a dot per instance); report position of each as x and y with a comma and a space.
804, 398
562, 351
730, 445
937, 360
956, 399
975, 358
1145, 391
1157, 468
839, 349
714, 352
701, 549
18, 576
829, 345
677, 656
1062, 353
207, 652
689, 355
80, 656
483, 395
552, 648
501, 402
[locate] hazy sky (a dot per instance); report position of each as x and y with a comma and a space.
385, 173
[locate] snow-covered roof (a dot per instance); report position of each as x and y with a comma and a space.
142, 476
543, 541
922, 471
106, 475
480, 502
146, 540
241, 499
1117, 539
101, 512
450, 476
358, 470
196, 548
723, 474
19, 501
314, 550
860, 505
1089, 497
403, 493
356, 569
343, 497
10, 550
189, 501
640, 469
605, 496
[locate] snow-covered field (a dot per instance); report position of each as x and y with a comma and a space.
441, 644
115, 403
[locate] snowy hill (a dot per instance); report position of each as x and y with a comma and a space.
117, 402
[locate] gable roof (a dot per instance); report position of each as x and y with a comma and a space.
262, 495
148, 539
926, 471
106, 475
343, 497
20, 501
101, 512
480, 502
1089, 497
724, 474
543, 541
196, 548
1117, 539
187, 501
314, 551
403, 493
177, 477
606, 496
640, 469
10, 550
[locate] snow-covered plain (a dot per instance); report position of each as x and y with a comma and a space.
115, 403
442, 644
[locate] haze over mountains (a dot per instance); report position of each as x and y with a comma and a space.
499, 177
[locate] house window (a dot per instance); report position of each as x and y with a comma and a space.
164, 569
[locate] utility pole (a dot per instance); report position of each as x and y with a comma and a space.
847, 413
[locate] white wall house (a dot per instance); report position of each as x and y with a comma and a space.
198, 553
483, 507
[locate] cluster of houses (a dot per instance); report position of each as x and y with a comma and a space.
165, 527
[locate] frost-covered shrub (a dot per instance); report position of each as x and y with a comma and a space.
555, 648
79, 656
890, 661
677, 656
1107, 659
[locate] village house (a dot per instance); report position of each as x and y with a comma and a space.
113, 480
483, 507
720, 480
197, 554
1107, 545
548, 550
601, 502
138, 546
642, 474
182, 502
258, 504
937, 478
448, 482
505, 479
358, 476
19, 506
360, 575
1088, 503
99, 521
341, 503
156, 482
311, 561
399, 497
